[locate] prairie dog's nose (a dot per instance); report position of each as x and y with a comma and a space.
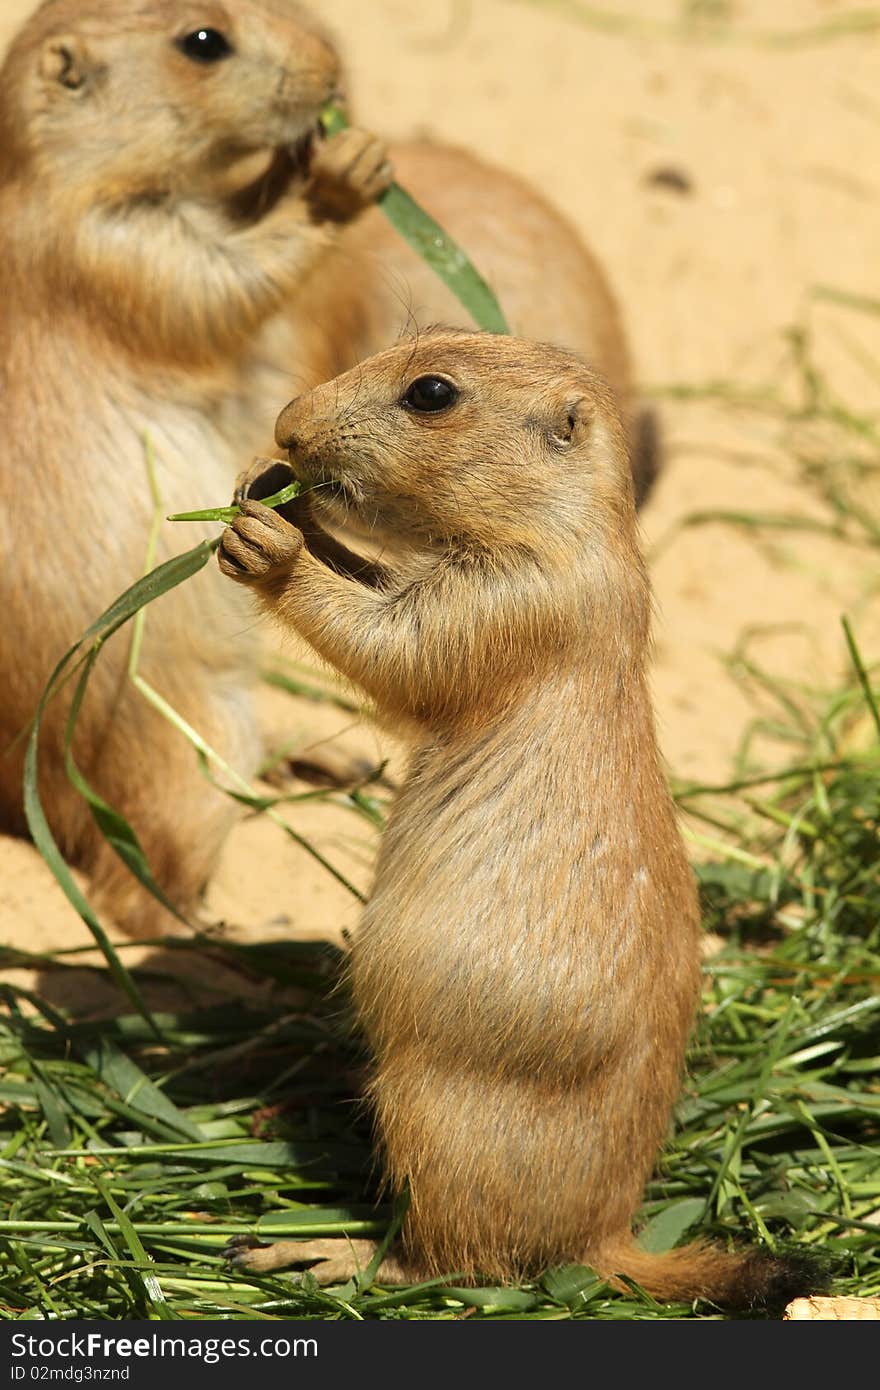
289, 424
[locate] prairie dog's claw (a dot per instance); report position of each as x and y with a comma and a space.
350, 171
258, 545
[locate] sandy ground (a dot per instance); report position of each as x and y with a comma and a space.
773, 149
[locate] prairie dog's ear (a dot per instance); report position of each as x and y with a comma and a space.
65, 62
573, 423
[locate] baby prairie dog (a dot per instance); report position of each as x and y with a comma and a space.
162, 195
527, 969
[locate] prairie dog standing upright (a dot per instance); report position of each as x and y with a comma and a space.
527, 968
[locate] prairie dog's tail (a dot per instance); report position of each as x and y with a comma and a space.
646, 447
746, 1278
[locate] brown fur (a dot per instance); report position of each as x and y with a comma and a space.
166, 270
527, 967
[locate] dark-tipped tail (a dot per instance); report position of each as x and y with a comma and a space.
745, 1278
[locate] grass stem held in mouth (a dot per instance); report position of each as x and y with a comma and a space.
227, 514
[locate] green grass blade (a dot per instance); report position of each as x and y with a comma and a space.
498, 1300
53, 1108
47, 846
45, 1092
367, 1277
665, 1230
265, 805
305, 690
861, 672
124, 1077
572, 1285
445, 257
227, 514
94, 1223
149, 1282
862, 302
160, 581
115, 829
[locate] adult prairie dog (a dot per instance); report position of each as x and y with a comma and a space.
162, 196
527, 970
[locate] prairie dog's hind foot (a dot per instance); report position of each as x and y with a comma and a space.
259, 545
349, 172
332, 1261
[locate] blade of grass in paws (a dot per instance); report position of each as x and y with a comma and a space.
227, 514
152, 586
445, 257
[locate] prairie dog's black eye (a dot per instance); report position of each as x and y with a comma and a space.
429, 394
205, 46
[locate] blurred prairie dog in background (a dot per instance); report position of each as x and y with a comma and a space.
527, 967
179, 254
140, 303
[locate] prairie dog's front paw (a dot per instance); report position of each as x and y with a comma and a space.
350, 171
258, 545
